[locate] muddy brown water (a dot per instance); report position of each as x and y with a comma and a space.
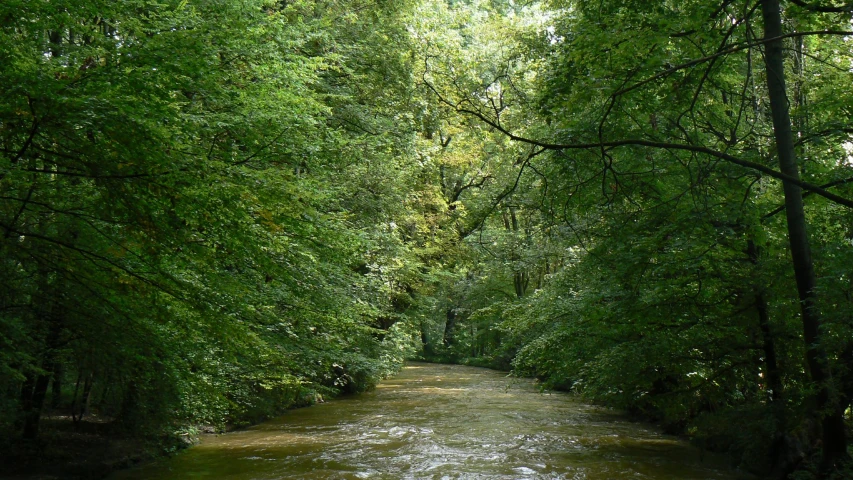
443, 422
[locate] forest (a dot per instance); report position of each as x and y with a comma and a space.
215, 210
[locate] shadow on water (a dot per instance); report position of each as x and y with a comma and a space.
444, 422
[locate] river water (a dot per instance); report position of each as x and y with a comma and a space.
443, 422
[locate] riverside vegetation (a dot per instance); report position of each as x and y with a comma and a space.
214, 210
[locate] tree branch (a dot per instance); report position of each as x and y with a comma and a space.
814, 7
665, 146
720, 53
20, 211
470, 184
781, 208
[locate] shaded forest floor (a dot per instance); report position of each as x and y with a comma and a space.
92, 449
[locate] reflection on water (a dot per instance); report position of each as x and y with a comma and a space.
443, 422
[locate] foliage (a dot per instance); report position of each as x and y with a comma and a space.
186, 235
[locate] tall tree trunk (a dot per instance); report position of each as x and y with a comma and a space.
834, 442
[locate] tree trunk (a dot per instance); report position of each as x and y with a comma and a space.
449, 328
425, 343
32, 415
56, 386
35, 387
784, 455
834, 442
768, 343
26, 399
520, 278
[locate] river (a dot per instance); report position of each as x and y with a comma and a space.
443, 422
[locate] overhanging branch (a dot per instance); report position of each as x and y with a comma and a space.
816, 189
816, 7
723, 52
